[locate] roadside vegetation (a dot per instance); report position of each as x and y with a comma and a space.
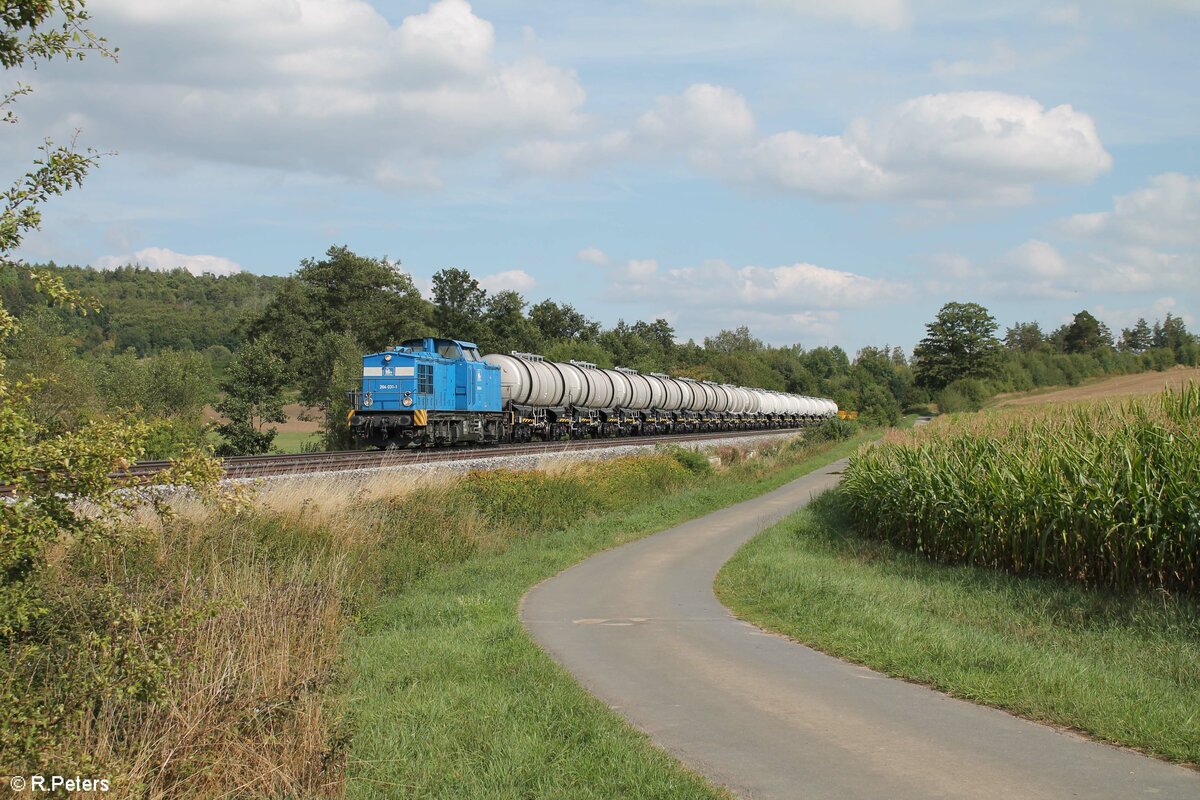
1122, 667
357, 637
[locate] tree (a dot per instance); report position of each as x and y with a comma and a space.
458, 304
369, 299
1086, 334
1025, 337
562, 322
960, 343
1173, 334
253, 386
735, 341
1137, 339
507, 327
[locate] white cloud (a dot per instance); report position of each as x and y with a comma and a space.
825, 166
163, 260
703, 116
593, 255
986, 138
1166, 213
517, 280
321, 86
785, 289
977, 147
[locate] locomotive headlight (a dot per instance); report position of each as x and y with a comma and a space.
367, 400
388, 357
407, 401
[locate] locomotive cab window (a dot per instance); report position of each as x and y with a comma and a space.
424, 378
448, 349
471, 354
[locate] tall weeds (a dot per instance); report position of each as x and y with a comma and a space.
1103, 494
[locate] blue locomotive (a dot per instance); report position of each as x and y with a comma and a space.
437, 391
427, 390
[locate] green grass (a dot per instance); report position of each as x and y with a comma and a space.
1125, 669
290, 441
449, 697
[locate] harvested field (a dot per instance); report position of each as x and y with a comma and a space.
1142, 384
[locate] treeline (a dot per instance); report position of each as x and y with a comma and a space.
303, 336
148, 311
962, 363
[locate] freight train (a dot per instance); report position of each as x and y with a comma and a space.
436, 391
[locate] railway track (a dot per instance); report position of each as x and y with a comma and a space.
270, 466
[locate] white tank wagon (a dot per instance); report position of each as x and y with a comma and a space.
550, 399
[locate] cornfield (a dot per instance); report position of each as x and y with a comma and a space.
1104, 494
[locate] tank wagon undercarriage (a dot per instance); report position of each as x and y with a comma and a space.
521, 397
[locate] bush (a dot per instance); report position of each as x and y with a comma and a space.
693, 461
832, 430
967, 394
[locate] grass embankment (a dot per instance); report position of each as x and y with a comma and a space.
1079, 532
1125, 669
352, 637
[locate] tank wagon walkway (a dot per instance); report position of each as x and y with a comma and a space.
640, 627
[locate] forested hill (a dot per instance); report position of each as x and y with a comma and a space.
151, 311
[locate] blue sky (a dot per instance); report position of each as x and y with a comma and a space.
826, 173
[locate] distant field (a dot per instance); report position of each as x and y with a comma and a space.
1145, 383
293, 433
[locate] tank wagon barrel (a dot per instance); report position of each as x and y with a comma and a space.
440, 391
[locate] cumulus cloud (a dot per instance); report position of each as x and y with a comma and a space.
978, 147
163, 260
325, 86
517, 280
981, 140
1165, 213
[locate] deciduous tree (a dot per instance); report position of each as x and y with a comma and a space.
960, 343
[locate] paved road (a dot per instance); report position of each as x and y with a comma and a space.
639, 626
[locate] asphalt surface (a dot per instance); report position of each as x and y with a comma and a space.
640, 627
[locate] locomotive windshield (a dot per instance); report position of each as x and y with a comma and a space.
471, 354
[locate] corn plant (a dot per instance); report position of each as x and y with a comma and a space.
1104, 494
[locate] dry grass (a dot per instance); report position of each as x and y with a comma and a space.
201, 654
1121, 386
